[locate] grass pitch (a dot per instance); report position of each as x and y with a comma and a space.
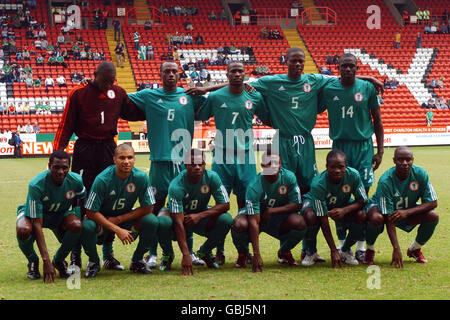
414, 281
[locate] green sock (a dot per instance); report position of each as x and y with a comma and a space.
216, 236
69, 241
240, 241
310, 239
165, 235
89, 240
190, 240
425, 231
107, 249
290, 239
147, 234
354, 234
341, 231
372, 233
26, 246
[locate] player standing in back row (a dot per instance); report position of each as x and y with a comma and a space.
354, 115
233, 110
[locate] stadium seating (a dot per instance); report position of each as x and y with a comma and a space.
374, 48
402, 105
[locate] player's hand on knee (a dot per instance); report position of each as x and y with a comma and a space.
49, 272
376, 161
186, 266
397, 259
257, 263
335, 259
125, 236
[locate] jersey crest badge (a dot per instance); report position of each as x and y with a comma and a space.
359, 97
346, 188
307, 87
414, 186
131, 187
183, 100
204, 189
70, 194
111, 94
282, 190
248, 105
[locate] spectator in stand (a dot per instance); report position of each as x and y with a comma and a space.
4, 108
116, 25
168, 38
203, 74
199, 39
141, 86
148, 24
380, 99
398, 36
26, 108
136, 37
60, 40
188, 39
142, 52
42, 34
19, 108
2, 54
20, 128
49, 82
26, 53
394, 84
431, 103
51, 61
188, 25
76, 77
44, 44
11, 109
102, 55
61, 80
29, 127
194, 75
440, 83
429, 118
212, 16
29, 80
433, 83
38, 44
419, 40
83, 54
119, 50
324, 70
36, 128
38, 82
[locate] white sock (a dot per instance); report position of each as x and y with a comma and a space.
415, 245
341, 243
360, 245
370, 247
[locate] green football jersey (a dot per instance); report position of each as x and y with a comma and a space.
185, 197
233, 115
46, 199
168, 112
394, 194
113, 197
262, 194
292, 103
349, 108
327, 195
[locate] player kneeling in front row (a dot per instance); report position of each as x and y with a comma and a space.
330, 197
395, 204
109, 208
50, 195
188, 210
272, 205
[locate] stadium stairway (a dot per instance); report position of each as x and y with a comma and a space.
125, 77
142, 12
294, 40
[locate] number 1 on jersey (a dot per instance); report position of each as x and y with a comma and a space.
102, 115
